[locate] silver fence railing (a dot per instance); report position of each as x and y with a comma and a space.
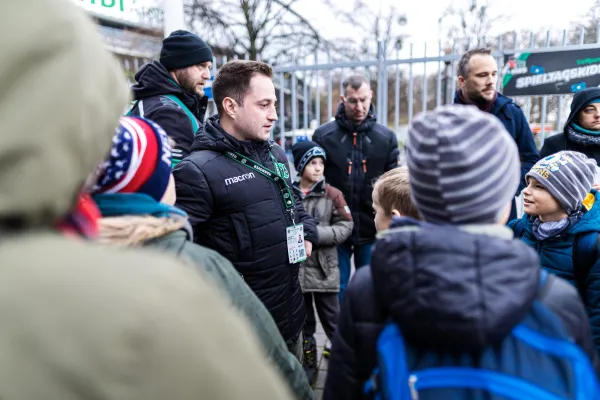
430, 82
308, 94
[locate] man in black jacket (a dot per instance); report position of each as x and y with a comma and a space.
170, 91
358, 151
236, 188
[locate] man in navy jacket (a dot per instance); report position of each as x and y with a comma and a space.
477, 77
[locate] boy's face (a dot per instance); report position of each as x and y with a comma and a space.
313, 172
382, 220
538, 201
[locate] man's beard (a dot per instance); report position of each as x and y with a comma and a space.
477, 98
188, 84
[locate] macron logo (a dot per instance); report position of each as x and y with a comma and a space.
236, 179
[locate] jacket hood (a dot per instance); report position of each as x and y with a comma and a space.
216, 139
135, 230
344, 123
451, 287
131, 219
590, 221
580, 100
61, 96
153, 79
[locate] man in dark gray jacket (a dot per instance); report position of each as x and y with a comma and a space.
359, 150
236, 188
170, 90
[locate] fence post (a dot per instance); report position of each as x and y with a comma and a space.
294, 106
397, 95
544, 104
380, 83
282, 110
410, 87
173, 16
318, 95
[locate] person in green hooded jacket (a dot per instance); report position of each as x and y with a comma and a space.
135, 193
79, 320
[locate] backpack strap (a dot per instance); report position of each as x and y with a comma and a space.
546, 280
585, 254
519, 228
134, 104
191, 116
174, 99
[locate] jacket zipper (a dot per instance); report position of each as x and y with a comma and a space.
354, 178
351, 176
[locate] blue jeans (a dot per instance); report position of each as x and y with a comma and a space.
362, 257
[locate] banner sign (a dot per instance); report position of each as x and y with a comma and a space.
113, 4
550, 72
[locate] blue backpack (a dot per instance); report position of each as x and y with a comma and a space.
536, 361
585, 254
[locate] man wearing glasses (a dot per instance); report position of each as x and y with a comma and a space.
358, 151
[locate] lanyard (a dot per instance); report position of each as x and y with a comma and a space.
286, 193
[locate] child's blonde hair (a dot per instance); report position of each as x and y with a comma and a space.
393, 192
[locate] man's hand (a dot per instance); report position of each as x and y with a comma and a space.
596, 186
308, 247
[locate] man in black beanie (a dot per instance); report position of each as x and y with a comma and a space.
170, 91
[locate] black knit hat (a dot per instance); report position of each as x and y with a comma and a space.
303, 152
183, 49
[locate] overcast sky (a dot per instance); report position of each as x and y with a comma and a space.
422, 25
423, 15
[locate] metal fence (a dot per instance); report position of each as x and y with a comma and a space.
308, 94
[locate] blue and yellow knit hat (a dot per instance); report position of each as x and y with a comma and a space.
567, 175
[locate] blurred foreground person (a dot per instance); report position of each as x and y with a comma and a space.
81, 322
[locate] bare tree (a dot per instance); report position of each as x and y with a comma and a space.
469, 26
152, 16
262, 29
589, 27
385, 25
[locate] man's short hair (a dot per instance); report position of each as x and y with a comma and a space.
355, 82
393, 191
233, 80
463, 64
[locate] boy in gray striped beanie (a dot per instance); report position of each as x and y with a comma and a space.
567, 175
464, 166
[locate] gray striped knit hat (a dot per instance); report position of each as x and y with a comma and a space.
463, 165
567, 175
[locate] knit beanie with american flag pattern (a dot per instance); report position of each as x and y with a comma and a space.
139, 160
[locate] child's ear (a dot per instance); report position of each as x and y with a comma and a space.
396, 213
